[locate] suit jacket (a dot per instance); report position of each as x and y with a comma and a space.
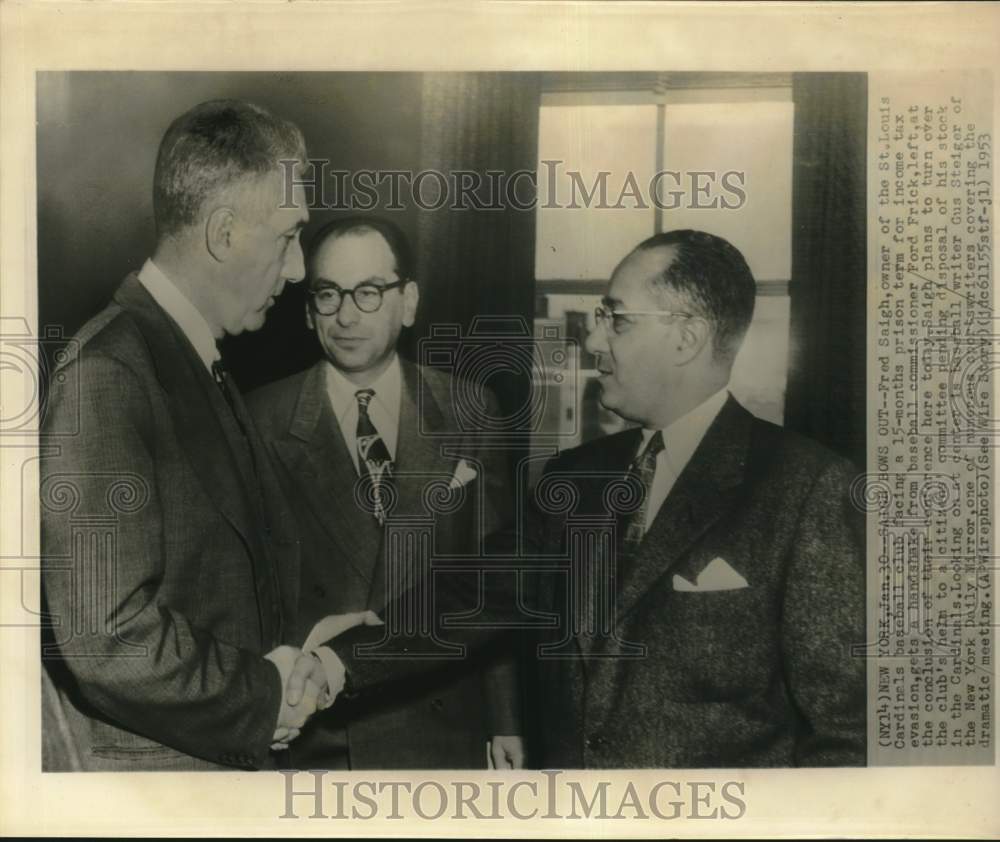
755, 676
165, 556
438, 720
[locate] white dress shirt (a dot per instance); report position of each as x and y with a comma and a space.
383, 409
179, 307
680, 441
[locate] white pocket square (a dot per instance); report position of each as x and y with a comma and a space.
717, 576
464, 474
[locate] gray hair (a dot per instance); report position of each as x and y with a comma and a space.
217, 145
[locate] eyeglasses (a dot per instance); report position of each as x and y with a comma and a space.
367, 296
617, 320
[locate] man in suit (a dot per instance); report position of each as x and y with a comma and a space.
167, 553
363, 414
720, 633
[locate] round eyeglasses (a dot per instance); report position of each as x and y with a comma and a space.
367, 296
617, 321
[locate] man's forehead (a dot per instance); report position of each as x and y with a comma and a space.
283, 208
299, 205
357, 255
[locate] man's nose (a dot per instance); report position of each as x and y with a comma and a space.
348, 313
597, 340
294, 269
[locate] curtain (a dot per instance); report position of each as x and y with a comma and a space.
826, 381
479, 262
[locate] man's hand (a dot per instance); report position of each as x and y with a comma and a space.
305, 677
336, 624
333, 669
306, 672
507, 752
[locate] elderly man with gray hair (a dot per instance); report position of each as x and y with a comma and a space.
165, 651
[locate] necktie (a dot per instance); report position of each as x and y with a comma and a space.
373, 456
644, 468
599, 577
222, 381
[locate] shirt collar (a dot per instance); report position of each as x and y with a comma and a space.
682, 437
388, 390
179, 307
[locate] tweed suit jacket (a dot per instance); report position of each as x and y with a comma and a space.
760, 675
754, 676
437, 720
165, 556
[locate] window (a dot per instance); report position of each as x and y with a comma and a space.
718, 160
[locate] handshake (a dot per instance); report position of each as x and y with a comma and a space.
311, 679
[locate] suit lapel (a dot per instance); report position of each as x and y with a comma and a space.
706, 489
282, 530
206, 430
199, 412
418, 455
315, 453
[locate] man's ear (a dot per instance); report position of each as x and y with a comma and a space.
411, 298
694, 335
309, 314
219, 233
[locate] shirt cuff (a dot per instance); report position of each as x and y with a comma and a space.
336, 674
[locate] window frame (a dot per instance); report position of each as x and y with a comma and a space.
660, 90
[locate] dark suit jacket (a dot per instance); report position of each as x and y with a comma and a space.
436, 721
163, 571
758, 676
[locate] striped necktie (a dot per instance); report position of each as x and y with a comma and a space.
644, 468
373, 456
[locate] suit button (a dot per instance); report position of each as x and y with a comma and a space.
319, 591
437, 704
594, 741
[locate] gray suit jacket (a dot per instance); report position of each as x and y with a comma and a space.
165, 557
439, 720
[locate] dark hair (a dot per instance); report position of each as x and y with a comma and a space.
212, 146
357, 225
713, 275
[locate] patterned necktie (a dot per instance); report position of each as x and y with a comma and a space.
222, 381
373, 456
644, 468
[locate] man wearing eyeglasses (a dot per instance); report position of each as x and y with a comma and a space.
740, 572
721, 632
358, 438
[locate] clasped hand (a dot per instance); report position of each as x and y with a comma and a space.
306, 686
304, 691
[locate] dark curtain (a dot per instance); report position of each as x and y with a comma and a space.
826, 381
476, 266
478, 263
